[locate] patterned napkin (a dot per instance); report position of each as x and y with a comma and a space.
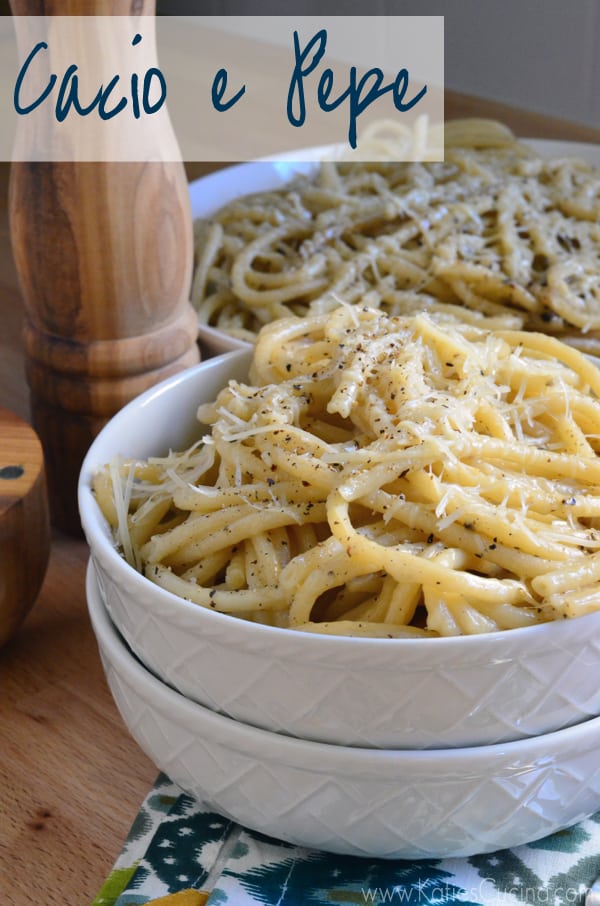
179, 853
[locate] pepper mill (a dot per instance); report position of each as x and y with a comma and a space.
104, 254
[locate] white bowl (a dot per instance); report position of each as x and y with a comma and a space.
390, 693
363, 802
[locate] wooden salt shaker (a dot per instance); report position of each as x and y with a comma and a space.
24, 524
104, 256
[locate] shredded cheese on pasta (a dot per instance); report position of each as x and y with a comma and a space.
495, 235
385, 476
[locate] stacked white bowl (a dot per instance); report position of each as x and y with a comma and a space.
396, 748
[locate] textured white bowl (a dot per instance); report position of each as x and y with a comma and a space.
390, 693
363, 802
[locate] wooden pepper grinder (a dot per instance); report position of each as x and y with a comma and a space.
104, 255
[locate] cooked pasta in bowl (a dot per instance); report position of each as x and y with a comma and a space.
370, 530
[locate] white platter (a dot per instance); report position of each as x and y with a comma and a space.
209, 193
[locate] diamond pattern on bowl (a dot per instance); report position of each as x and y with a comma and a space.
469, 695
420, 814
423, 693
388, 804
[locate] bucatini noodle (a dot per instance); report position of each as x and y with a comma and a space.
378, 475
495, 235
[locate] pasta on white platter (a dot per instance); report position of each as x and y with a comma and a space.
495, 234
384, 476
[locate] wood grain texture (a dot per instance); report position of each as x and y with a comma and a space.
104, 256
71, 777
523, 122
81, 7
24, 521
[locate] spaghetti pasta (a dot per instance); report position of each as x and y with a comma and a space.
494, 234
385, 476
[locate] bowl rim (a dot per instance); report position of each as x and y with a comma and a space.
521, 754
99, 538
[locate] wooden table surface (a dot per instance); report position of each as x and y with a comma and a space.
71, 777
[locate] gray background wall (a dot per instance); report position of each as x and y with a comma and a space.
542, 55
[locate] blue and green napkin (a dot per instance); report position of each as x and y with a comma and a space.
180, 853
